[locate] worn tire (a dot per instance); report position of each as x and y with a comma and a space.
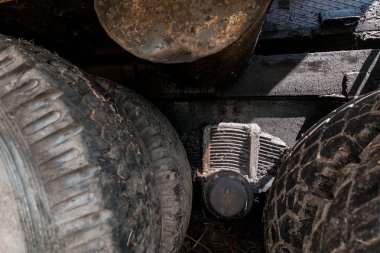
168, 156
73, 175
325, 197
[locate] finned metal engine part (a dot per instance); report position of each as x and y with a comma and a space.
236, 156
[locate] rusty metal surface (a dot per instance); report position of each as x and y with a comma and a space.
179, 31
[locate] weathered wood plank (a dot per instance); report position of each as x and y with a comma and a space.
288, 18
344, 73
330, 74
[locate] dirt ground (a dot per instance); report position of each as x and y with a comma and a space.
208, 234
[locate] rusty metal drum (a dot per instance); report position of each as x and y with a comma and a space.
209, 40
178, 31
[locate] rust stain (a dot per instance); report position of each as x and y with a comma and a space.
178, 30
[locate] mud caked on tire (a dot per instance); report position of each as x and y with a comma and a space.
171, 167
73, 174
326, 194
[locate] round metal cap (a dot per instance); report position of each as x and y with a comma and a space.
228, 194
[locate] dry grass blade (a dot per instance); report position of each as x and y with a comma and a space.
200, 238
200, 244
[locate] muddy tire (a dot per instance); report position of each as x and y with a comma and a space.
169, 160
326, 194
73, 175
